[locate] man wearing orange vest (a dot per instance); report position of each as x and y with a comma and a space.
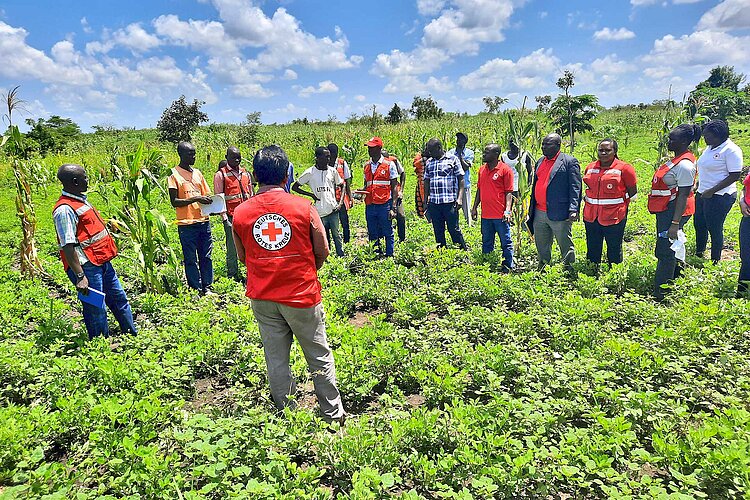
187, 191
237, 186
343, 169
380, 184
280, 239
86, 249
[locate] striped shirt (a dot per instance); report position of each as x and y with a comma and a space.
443, 175
66, 224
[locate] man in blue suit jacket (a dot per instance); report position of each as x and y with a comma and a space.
555, 202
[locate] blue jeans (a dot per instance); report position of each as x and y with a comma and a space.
744, 255
710, 214
196, 254
596, 234
668, 268
104, 278
490, 227
344, 219
379, 226
331, 225
442, 215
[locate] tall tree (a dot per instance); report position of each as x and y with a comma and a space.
565, 83
180, 119
493, 104
395, 115
723, 77
543, 102
571, 114
425, 108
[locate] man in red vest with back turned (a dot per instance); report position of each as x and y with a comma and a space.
86, 249
281, 240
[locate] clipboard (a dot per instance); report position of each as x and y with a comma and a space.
94, 297
218, 205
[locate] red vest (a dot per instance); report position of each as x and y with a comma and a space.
235, 190
378, 185
661, 194
274, 227
606, 196
340, 169
91, 232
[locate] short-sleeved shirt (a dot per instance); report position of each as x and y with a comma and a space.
290, 177
323, 185
189, 184
681, 175
542, 181
513, 164
393, 171
66, 226
468, 155
493, 185
715, 164
443, 175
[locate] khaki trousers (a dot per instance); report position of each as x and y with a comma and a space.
545, 231
278, 325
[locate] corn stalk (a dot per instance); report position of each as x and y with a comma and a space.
527, 136
31, 266
138, 222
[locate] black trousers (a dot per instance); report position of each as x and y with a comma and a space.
597, 234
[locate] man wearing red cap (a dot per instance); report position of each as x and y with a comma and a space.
380, 184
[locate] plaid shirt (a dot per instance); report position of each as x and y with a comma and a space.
443, 175
66, 224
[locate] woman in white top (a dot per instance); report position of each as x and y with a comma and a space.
719, 169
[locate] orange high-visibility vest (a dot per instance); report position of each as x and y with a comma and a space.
378, 185
661, 194
91, 232
236, 189
606, 194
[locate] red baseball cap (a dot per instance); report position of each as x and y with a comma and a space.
375, 141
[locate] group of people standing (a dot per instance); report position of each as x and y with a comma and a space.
283, 240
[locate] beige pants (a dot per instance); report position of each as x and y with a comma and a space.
278, 324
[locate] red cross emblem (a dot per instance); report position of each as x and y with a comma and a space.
272, 232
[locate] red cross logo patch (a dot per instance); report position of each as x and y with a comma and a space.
272, 232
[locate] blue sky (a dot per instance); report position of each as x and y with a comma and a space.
122, 63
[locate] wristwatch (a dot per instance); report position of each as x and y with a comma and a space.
80, 275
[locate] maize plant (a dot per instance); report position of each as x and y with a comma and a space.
139, 222
31, 266
527, 136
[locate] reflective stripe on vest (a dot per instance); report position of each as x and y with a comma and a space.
98, 236
232, 197
378, 183
604, 201
663, 192
82, 210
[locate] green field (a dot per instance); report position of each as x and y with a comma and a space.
460, 382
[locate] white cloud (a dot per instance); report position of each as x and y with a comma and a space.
76, 98
289, 109
360, 98
289, 74
614, 34
85, 26
282, 40
430, 7
250, 90
413, 84
728, 15
528, 72
206, 36
325, 87
465, 24
701, 48
21, 61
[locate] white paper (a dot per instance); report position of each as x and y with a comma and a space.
678, 245
217, 206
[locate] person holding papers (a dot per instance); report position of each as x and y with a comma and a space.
187, 192
86, 249
236, 184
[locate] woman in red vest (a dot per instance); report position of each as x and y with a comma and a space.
610, 184
281, 240
669, 199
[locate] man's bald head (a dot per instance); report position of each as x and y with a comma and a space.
73, 178
233, 157
434, 148
551, 145
491, 154
186, 152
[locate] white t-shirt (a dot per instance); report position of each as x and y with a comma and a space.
323, 185
681, 175
513, 164
715, 164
